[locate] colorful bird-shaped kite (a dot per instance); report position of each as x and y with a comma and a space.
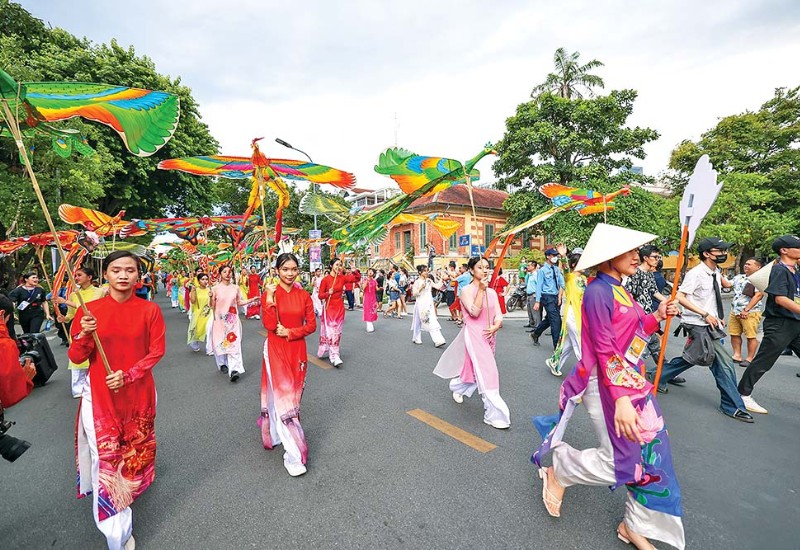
584, 201
418, 176
63, 140
144, 119
189, 228
94, 220
265, 172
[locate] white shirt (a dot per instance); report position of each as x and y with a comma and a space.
698, 285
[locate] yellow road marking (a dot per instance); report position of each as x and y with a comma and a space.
318, 362
456, 433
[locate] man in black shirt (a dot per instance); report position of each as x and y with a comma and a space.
781, 317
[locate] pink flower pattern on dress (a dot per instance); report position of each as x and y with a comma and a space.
650, 423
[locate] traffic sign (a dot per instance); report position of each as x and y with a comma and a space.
464, 240
476, 250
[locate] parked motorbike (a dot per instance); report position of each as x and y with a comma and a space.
518, 298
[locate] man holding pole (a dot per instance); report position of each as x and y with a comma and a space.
700, 293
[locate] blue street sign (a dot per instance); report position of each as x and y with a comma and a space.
464, 240
476, 250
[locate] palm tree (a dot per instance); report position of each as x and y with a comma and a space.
569, 76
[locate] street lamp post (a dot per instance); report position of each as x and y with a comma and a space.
279, 141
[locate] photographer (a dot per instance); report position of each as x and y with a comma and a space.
16, 382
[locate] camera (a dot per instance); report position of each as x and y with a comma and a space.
11, 448
32, 355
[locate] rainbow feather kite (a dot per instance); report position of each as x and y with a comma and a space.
417, 176
144, 119
265, 172
189, 228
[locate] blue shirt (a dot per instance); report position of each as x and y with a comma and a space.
548, 280
530, 283
463, 280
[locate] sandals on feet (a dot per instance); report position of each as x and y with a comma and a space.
551, 503
626, 537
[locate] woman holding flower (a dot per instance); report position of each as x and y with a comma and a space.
226, 331
634, 448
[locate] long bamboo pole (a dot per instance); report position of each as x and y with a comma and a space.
676, 281
13, 126
52, 299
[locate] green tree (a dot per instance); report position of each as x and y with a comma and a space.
111, 179
569, 77
568, 140
30, 51
576, 142
757, 155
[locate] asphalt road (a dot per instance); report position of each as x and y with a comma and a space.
380, 478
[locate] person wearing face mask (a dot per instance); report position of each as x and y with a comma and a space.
700, 294
550, 288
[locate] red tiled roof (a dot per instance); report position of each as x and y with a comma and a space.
491, 199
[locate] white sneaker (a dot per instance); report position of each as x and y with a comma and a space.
418, 342
336, 362
130, 544
751, 405
499, 424
458, 398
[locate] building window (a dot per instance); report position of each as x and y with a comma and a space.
377, 249
406, 241
397, 241
488, 233
423, 236
452, 242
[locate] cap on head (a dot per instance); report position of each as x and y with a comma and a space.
785, 241
551, 252
712, 242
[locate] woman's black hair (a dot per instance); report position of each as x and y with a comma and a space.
285, 257
333, 262
88, 271
223, 266
474, 261
573, 261
201, 275
118, 255
421, 268
6, 306
28, 275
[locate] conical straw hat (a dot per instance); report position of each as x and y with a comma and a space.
609, 241
760, 278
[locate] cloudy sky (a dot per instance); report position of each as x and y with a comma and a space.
341, 79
